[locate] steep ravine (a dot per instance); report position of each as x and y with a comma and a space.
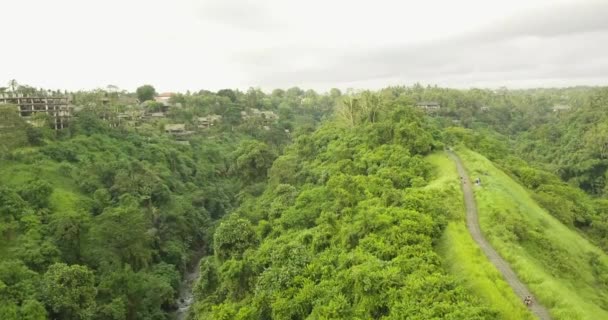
186, 298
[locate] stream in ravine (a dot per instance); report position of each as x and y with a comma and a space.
186, 297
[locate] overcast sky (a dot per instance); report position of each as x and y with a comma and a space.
177, 45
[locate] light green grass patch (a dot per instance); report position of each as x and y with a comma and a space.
550, 258
65, 196
469, 265
445, 175
62, 200
13, 173
447, 182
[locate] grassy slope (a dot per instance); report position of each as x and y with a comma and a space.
65, 196
552, 259
461, 255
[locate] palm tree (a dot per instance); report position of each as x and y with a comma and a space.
349, 110
112, 88
13, 84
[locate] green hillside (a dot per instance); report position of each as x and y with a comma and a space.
460, 253
564, 270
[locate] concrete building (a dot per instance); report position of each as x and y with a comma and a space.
164, 98
57, 108
561, 108
208, 121
269, 116
153, 116
130, 117
175, 128
429, 105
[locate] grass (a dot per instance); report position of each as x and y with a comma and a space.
553, 260
15, 173
462, 257
65, 196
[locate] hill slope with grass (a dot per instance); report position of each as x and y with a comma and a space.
364, 218
564, 270
461, 255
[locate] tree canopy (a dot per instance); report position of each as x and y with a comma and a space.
145, 93
301, 204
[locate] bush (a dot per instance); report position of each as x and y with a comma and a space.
233, 237
37, 193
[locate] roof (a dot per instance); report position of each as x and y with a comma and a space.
175, 127
269, 115
166, 95
561, 107
15, 96
211, 117
428, 103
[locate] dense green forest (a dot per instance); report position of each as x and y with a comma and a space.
102, 219
329, 236
349, 235
302, 205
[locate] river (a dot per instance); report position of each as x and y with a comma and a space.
186, 298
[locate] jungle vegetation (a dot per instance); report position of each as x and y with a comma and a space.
345, 207
102, 219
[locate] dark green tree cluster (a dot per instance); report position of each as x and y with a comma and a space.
145, 93
295, 108
573, 144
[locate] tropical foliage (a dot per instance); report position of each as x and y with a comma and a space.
358, 218
345, 229
102, 220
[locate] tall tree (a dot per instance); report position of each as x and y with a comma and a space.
69, 291
145, 93
252, 160
349, 111
13, 84
121, 235
227, 93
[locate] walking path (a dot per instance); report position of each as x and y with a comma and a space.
473, 225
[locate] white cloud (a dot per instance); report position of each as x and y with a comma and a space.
212, 44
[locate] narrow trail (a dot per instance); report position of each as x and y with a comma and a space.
503, 267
